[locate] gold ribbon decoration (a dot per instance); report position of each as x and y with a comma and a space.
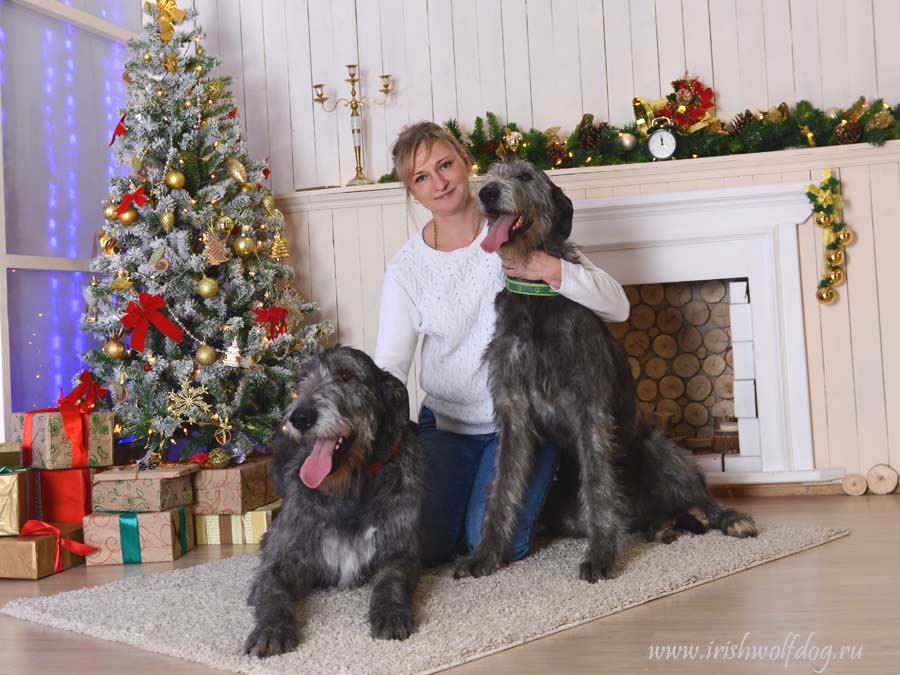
169, 15
645, 111
710, 122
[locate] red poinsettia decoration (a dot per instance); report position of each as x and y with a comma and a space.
689, 102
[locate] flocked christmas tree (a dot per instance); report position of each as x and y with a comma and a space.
189, 272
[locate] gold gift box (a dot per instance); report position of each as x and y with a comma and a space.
16, 490
245, 528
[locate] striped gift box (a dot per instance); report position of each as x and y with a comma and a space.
245, 528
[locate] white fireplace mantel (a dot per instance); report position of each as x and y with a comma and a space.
719, 234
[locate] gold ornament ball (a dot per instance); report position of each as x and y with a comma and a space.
236, 170
200, 50
175, 179
215, 89
218, 458
224, 225
244, 246
826, 296
823, 219
268, 203
129, 216
167, 220
835, 257
205, 355
835, 276
833, 113
627, 140
248, 187
207, 288
114, 349
109, 212
148, 57
844, 236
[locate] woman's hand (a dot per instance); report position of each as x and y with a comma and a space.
538, 265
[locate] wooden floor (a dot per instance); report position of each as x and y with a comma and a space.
844, 593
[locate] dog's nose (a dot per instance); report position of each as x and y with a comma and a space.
302, 419
489, 194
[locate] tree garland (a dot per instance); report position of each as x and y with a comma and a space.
836, 234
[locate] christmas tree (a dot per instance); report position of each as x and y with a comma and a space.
189, 271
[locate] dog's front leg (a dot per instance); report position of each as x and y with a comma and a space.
600, 500
516, 449
274, 595
390, 608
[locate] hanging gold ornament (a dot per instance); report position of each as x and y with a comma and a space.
826, 295
122, 282
844, 236
248, 187
835, 257
268, 203
215, 251
823, 219
200, 50
236, 170
108, 244
148, 57
218, 458
114, 349
207, 288
175, 179
279, 248
170, 62
94, 282
167, 221
129, 216
224, 225
244, 246
835, 276
223, 435
205, 355
215, 89
169, 15
109, 212
880, 120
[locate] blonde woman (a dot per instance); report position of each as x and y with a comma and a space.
442, 285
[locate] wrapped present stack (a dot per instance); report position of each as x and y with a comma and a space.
141, 515
236, 504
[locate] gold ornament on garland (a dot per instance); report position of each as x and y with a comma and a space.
207, 288
279, 248
880, 120
826, 295
129, 216
109, 212
167, 221
827, 203
236, 170
205, 355
844, 236
114, 349
148, 57
175, 179
628, 141
248, 187
218, 458
244, 246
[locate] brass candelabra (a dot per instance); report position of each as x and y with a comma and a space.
355, 104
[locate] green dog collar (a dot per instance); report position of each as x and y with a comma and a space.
530, 288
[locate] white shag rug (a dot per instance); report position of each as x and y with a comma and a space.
199, 613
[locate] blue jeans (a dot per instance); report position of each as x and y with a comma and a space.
460, 468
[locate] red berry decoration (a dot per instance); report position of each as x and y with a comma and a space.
147, 367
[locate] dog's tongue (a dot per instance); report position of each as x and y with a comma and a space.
498, 234
318, 464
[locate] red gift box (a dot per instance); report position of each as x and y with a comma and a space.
63, 495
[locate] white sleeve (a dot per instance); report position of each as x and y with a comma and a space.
590, 286
398, 329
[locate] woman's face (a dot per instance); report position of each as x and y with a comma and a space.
440, 179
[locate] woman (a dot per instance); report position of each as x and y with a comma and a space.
441, 284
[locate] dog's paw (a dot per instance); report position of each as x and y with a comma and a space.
271, 640
476, 565
594, 570
395, 624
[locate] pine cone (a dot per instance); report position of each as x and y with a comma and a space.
592, 136
847, 132
558, 154
739, 123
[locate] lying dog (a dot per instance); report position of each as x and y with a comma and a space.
557, 376
351, 481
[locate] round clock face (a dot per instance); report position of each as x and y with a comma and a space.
661, 144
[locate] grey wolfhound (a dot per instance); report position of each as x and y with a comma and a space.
351, 482
557, 376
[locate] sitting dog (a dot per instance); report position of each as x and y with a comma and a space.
557, 376
351, 482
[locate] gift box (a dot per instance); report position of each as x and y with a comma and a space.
10, 454
234, 490
131, 538
63, 495
46, 549
247, 528
48, 446
130, 489
16, 499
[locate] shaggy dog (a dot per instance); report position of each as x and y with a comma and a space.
557, 376
351, 480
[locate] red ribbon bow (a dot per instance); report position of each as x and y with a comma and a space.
276, 317
136, 197
74, 408
34, 528
119, 130
138, 318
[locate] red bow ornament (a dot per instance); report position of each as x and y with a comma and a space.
35, 528
139, 316
276, 317
119, 130
136, 197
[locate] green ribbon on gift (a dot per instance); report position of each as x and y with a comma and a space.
182, 530
131, 542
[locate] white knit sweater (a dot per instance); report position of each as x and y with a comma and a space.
448, 297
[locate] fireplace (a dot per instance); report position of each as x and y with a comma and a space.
740, 243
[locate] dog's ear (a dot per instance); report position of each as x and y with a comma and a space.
562, 219
393, 392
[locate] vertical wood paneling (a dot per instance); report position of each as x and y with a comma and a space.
278, 92
805, 38
443, 67
592, 48
303, 129
376, 153
490, 57
886, 20
517, 81
208, 19
465, 46
344, 22
393, 55
371, 269
697, 44
322, 67
255, 87
418, 57
620, 74
726, 58
566, 60
670, 41
779, 51
837, 90
232, 53
540, 54
644, 53
351, 316
885, 181
861, 70
296, 229
751, 41
323, 285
